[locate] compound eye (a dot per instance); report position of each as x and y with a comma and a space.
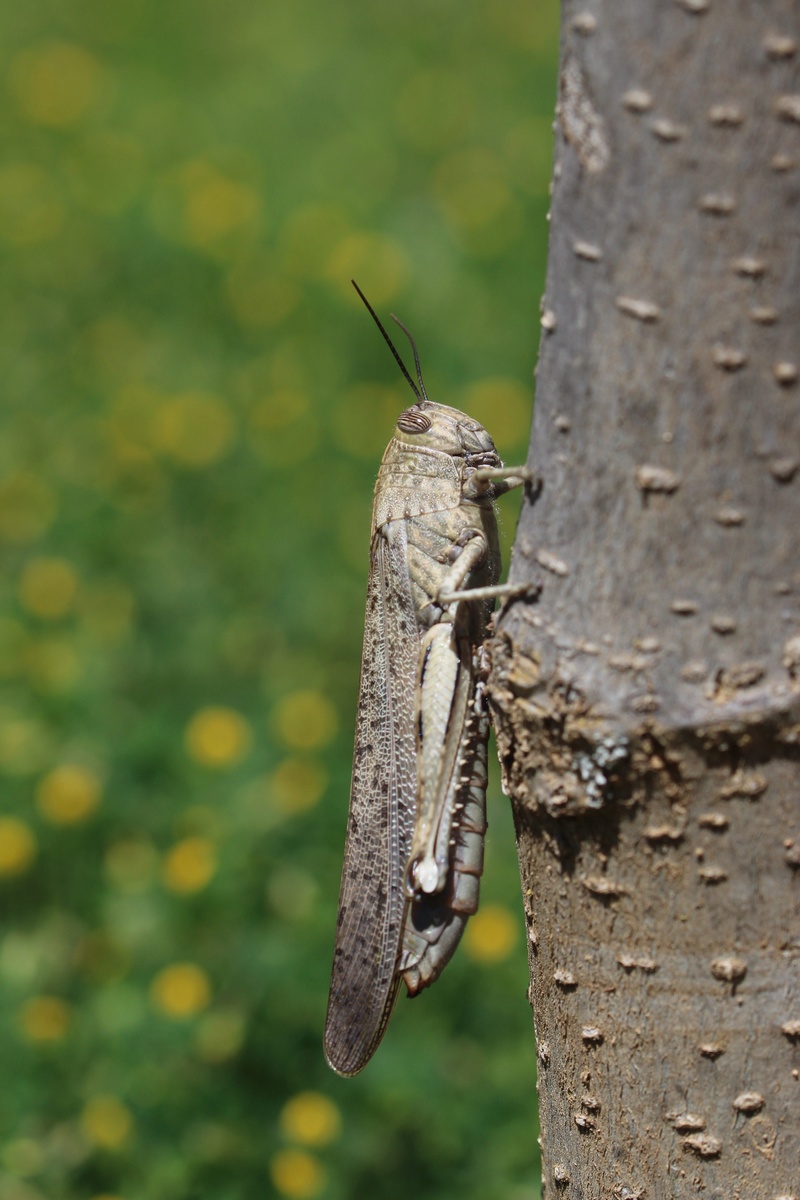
413, 420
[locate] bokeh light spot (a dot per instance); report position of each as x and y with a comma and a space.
216, 205
53, 665
220, 1036
27, 507
194, 428
218, 737
297, 785
291, 893
131, 864
278, 409
305, 720
503, 406
491, 934
25, 743
45, 1019
376, 262
470, 188
17, 846
297, 1174
56, 83
181, 990
106, 1122
48, 587
119, 1007
190, 865
69, 794
22, 1157
30, 211
198, 205
310, 1119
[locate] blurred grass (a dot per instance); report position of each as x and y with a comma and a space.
194, 409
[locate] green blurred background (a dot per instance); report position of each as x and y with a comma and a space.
194, 407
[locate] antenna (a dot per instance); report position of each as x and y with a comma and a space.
421, 396
416, 356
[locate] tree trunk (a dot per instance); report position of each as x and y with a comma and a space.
648, 702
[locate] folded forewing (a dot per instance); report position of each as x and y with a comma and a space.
382, 806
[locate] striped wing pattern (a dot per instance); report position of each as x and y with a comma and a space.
372, 903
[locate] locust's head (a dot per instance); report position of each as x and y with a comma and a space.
439, 427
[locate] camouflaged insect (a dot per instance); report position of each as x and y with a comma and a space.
414, 850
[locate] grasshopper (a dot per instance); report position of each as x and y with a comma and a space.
414, 850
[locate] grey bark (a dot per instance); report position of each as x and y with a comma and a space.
648, 702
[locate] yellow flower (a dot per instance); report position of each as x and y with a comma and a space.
54, 84
181, 990
190, 864
48, 587
296, 1174
45, 1019
305, 720
490, 934
106, 1121
295, 786
311, 1119
218, 737
68, 794
17, 846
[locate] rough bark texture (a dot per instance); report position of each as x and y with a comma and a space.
648, 703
